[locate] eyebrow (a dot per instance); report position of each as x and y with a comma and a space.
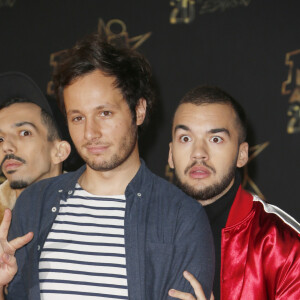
20, 124
217, 130
26, 123
180, 126
214, 130
105, 106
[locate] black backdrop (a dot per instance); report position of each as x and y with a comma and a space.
250, 48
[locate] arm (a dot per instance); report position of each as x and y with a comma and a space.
288, 283
194, 250
8, 263
195, 285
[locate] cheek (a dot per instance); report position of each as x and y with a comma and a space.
180, 157
225, 158
75, 132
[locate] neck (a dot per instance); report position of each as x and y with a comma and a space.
19, 191
111, 182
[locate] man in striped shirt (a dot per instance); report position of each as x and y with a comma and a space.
112, 229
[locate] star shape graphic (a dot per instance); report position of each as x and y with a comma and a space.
115, 33
247, 180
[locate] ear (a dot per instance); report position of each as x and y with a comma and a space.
60, 152
170, 158
243, 155
140, 111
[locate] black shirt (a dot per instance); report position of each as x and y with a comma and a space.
217, 213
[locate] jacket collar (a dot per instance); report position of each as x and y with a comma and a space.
240, 208
139, 181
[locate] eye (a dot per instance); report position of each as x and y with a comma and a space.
1, 139
77, 119
25, 133
105, 113
185, 139
216, 140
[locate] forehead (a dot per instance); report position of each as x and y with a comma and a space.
205, 116
20, 112
93, 90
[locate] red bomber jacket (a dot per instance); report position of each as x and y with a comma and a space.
260, 252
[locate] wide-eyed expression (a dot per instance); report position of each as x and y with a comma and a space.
205, 149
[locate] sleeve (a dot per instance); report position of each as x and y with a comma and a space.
194, 251
16, 289
24, 216
288, 284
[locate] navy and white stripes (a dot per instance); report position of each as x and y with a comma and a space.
84, 254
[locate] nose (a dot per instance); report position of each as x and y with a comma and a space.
8, 146
92, 129
199, 151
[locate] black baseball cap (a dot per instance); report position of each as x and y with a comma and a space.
19, 85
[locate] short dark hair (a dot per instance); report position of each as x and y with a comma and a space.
131, 70
52, 131
205, 94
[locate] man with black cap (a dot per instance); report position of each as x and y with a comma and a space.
31, 148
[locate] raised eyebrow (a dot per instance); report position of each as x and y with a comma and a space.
217, 130
19, 124
180, 126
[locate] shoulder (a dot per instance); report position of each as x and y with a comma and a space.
50, 184
273, 216
40, 193
172, 193
168, 200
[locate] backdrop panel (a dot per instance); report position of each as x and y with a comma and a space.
250, 48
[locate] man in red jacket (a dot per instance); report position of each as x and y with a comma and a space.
257, 244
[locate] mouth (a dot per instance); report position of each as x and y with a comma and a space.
199, 172
11, 165
96, 149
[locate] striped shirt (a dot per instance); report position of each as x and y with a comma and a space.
84, 254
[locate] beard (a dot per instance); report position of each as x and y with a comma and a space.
211, 191
18, 184
125, 149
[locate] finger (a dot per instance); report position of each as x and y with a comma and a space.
181, 295
21, 241
195, 284
9, 260
4, 227
212, 297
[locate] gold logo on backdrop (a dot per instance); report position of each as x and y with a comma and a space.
184, 11
114, 32
291, 87
254, 151
7, 3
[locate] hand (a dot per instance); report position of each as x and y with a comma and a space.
196, 286
8, 262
